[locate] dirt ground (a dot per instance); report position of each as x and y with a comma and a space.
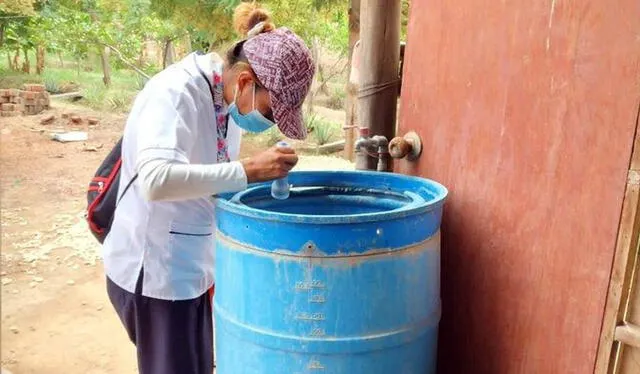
56, 317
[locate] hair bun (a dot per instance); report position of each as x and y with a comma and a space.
249, 14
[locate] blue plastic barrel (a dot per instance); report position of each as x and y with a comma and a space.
341, 277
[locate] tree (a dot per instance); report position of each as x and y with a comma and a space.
209, 22
15, 30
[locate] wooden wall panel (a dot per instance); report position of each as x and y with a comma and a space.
527, 110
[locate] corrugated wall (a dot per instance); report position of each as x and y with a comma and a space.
527, 110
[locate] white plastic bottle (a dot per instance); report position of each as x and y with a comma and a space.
280, 187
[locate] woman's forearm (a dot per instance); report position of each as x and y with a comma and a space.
164, 180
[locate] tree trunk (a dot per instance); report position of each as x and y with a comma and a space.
9, 63
61, 60
351, 100
322, 81
78, 66
187, 44
315, 55
168, 53
40, 55
143, 54
16, 61
26, 65
106, 67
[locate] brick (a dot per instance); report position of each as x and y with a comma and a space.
92, 120
4, 92
76, 119
4, 99
9, 113
8, 107
47, 119
32, 110
30, 102
17, 100
34, 87
14, 92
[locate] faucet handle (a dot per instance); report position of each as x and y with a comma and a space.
408, 146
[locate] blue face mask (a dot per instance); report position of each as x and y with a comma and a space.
253, 121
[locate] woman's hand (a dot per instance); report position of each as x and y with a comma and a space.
271, 164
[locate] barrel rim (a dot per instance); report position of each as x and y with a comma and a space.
441, 192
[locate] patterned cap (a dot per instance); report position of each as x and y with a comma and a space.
283, 64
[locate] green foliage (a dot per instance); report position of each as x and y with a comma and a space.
80, 30
17, 7
118, 103
51, 86
323, 131
205, 20
273, 136
404, 18
310, 19
94, 96
337, 98
310, 121
16, 79
140, 83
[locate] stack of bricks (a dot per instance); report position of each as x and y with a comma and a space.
31, 100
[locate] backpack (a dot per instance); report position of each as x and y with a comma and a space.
102, 194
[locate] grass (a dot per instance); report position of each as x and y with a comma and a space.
322, 131
125, 84
337, 98
273, 136
94, 96
52, 86
11, 79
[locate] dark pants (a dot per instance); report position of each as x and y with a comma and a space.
171, 337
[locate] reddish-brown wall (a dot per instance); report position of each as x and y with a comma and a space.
527, 110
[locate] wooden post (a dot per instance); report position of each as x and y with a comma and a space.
609, 350
351, 97
380, 59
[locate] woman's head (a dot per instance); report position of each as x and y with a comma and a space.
270, 71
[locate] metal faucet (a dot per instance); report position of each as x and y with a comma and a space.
382, 144
369, 149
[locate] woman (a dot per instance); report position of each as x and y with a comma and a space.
180, 144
